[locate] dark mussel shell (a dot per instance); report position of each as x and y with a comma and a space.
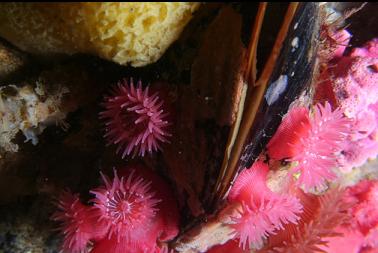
289, 77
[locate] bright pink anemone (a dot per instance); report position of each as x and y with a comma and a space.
287, 143
135, 120
131, 213
359, 233
312, 143
320, 216
349, 241
364, 200
78, 223
263, 212
125, 204
317, 160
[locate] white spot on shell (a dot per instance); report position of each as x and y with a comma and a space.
294, 44
296, 26
276, 89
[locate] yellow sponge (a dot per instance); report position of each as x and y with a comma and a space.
135, 33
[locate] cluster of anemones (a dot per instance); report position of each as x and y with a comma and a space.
344, 137
339, 133
311, 142
135, 211
130, 213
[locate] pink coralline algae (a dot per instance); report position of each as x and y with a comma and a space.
130, 214
354, 83
350, 83
369, 50
135, 119
262, 212
311, 143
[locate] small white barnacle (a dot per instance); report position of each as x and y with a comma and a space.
294, 44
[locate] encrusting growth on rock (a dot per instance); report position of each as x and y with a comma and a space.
28, 109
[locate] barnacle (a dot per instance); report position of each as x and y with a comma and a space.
135, 120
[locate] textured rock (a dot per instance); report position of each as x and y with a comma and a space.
11, 60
